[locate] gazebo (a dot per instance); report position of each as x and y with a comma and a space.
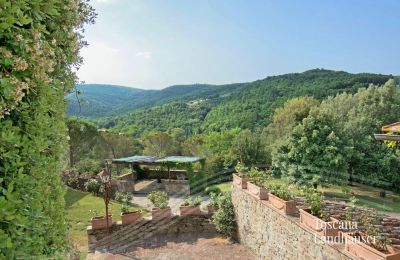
170, 184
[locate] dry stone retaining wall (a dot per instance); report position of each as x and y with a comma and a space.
273, 235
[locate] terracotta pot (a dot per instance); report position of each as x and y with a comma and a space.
100, 222
323, 228
157, 213
130, 217
190, 210
259, 192
210, 209
365, 252
287, 207
239, 181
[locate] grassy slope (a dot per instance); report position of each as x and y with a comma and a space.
78, 206
367, 196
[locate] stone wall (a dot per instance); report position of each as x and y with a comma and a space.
176, 187
272, 235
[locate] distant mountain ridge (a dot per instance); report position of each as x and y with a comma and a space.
202, 107
100, 100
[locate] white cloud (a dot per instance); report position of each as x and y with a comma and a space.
144, 54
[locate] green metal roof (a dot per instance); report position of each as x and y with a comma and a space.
139, 159
179, 159
136, 159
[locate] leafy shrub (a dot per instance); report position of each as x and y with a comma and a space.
224, 218
159, 199
119, 196
214, 197
213, 189
88, 166
258, 177
313, 200
73, 183
39, 46
241, 169
93, 186
192, 201
124, 208
197, 181
123, 197
282, 191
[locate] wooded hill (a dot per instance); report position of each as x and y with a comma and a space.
204, 108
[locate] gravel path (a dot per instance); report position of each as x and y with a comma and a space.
194, 248
143, 188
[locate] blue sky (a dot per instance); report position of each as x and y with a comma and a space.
158, 43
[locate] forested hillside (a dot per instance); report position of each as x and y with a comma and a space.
245, 105
98, 100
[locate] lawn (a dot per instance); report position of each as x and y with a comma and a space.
367, 196
78, 205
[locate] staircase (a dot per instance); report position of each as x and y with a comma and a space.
143, 230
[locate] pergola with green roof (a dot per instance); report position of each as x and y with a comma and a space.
154, 160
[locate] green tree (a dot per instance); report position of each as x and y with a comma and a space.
250, 148
157, 144
288, 117
315, 153
83, 136
361, 115
39, 43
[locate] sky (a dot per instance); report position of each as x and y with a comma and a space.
153, 44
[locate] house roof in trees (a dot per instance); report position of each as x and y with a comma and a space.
395, 128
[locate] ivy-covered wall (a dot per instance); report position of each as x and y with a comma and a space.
39, 44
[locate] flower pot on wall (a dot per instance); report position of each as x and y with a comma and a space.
130, 217
190, 210
239, 181
319, 226
287, 207
363, 251
158, 214
100, 222
259, 192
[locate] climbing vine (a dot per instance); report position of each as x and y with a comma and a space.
39, 44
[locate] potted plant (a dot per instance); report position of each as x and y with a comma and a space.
191, 206
160, 202
128, 216
239, 178
356, 244
213, 206
281, 197
317, 219
367, 242
100, 222
257, 183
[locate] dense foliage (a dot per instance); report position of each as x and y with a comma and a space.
308, 141
98, 100
246, 106
39, 43
315, 152
224, 216
335, 143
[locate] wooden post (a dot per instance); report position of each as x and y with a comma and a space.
169, 172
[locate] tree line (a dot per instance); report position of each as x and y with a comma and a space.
307, 141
